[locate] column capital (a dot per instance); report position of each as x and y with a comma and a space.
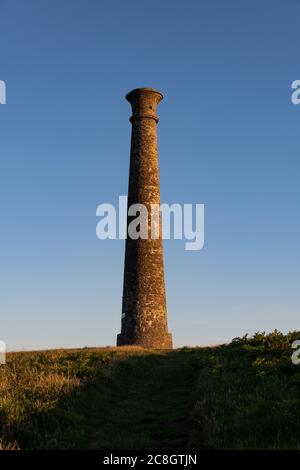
144, 103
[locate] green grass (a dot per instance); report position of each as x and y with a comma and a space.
245, 395
249, 395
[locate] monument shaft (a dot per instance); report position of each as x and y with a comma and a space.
144, 313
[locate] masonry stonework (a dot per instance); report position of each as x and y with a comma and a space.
144, 313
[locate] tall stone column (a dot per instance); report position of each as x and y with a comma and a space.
144, 313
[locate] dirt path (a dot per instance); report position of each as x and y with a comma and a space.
149, 405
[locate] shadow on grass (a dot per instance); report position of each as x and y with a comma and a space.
131, 399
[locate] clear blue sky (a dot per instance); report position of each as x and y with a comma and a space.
228, 137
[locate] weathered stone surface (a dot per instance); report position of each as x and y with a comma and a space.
144, 313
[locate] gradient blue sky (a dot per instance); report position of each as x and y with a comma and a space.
228, 137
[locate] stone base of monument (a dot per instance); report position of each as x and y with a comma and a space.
147, 341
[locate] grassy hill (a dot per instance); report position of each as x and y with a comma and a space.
244, 395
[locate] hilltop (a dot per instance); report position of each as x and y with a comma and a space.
244, 395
